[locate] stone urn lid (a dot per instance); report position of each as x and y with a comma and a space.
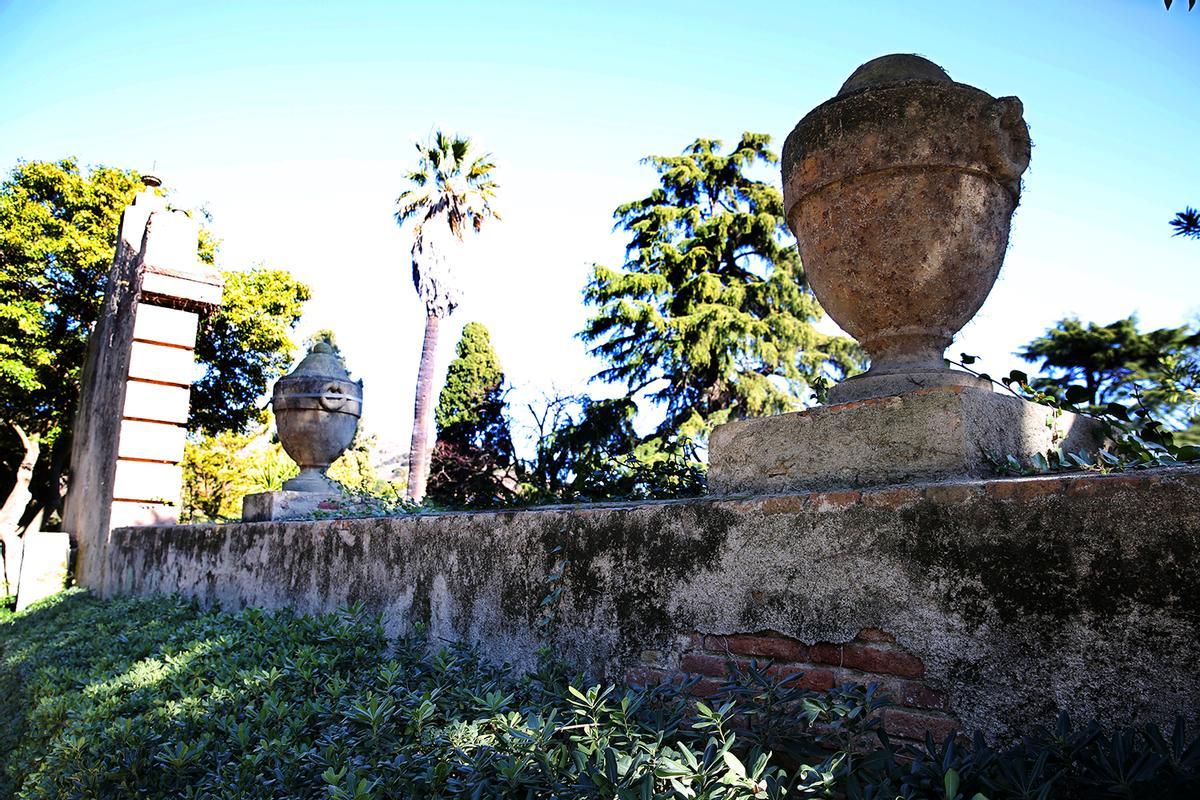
319, 381
904, 110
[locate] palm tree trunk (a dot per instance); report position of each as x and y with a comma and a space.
420, 449
14, 509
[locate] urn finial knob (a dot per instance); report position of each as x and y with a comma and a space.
893, 69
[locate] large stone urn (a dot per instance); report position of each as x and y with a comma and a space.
317, 408
900, 191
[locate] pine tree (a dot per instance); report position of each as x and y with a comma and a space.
1095, 365
471, 462
1109, 363
711, 314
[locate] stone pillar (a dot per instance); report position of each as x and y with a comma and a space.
135, 392
900, 191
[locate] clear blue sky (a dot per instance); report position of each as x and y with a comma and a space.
293, 122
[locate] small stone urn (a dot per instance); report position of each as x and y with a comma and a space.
316, 408
900, 191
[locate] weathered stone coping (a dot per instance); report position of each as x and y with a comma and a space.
1016, 596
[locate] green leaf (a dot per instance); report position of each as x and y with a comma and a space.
1188, 452
1117, 410
950, 784
734, 764
1077, 394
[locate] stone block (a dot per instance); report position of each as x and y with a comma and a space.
909, 694
706, 687
156, 362
881, 660
826, 653
906, 724
936, 434
644, 676
180, 287
164, 325
779, 648
705, 664
151, 441
138, 368
131, 513
816, 680
267, 506
172, 271
43, 566
148, 481
157, 402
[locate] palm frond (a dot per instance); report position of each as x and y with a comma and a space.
452, 185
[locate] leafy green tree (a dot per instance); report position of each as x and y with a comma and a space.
1111, 363
711, 314
58, 229
450, 191
1094, 365
473, 458
580, 442
220, 469
355, 471
587, 449
473, 385
584, 448
244, 347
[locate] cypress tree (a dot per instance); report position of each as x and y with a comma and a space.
472, 460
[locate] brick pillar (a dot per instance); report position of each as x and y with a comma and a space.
135, 391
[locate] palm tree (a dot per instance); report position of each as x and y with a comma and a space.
450, 190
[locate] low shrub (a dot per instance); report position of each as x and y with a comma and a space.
158, 698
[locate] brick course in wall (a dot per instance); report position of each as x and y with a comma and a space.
872, 657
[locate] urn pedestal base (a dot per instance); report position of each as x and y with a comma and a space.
284, 505
886, 384
933, 434
311, 480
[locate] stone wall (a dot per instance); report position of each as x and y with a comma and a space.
984, 604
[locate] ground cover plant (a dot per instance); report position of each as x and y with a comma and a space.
158, 698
